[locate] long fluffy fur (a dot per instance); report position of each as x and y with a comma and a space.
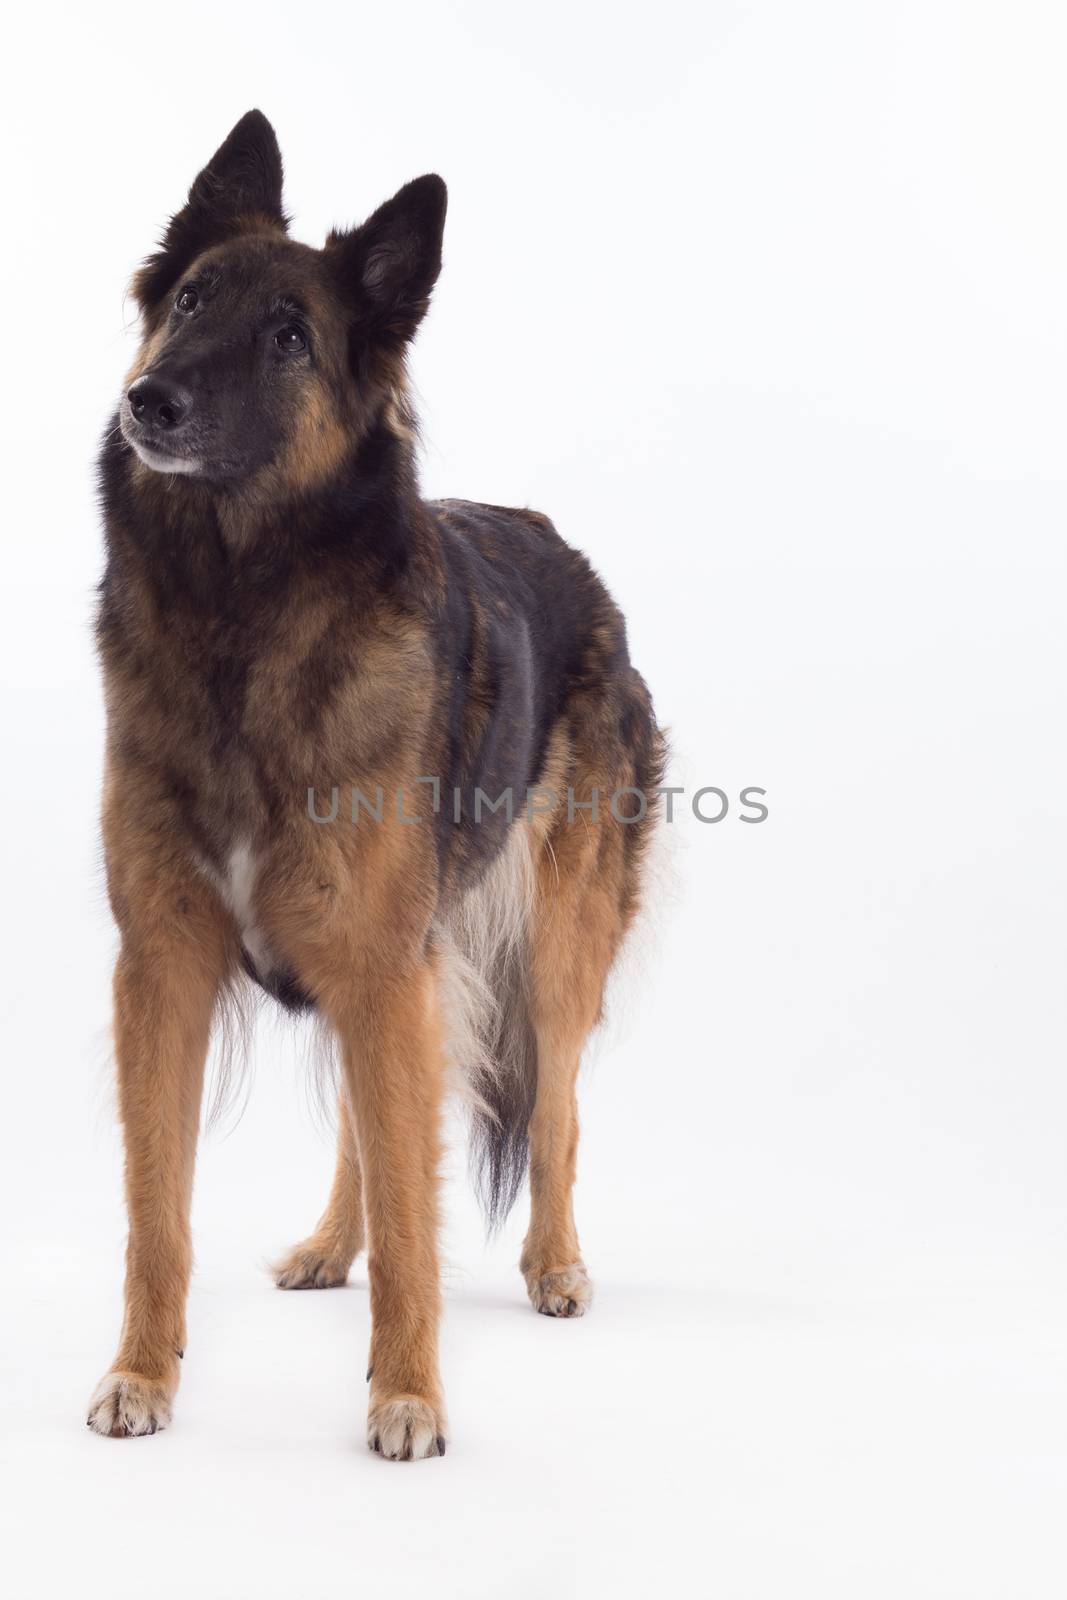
482, 949
483, 953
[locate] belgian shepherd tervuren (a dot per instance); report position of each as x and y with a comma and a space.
386, 758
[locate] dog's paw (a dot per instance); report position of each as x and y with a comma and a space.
126, 1404
311, 1267
405, 1428
567, 1292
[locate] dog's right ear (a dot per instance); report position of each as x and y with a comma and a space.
241, 186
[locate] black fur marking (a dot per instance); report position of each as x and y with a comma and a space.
242, 180
387, 267
500, 1145
281, 985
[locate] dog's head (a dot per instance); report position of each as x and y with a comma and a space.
263, 357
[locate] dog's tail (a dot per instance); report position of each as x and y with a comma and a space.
491, 1044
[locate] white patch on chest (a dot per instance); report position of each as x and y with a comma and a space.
237, 886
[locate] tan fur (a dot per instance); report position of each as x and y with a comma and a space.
577, 927
318, 445
562, 889
351, 908
361, 944
398, 413
177, 949
347, 914
323, 1260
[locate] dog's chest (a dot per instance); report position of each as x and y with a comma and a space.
233, 740
235, 721
236, 729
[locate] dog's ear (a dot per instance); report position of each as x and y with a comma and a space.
240, 186
387, 268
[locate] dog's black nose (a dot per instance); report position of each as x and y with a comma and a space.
159, 401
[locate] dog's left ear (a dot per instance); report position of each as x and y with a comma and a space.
241, 186
387, 268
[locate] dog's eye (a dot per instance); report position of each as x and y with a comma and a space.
291, 340
187, 301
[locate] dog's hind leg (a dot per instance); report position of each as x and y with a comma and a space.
575, 933
323, 1260
175, 954
590, 872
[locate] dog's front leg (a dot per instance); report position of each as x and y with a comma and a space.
394, 1068
166, 981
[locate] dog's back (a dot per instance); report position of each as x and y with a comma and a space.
522, 596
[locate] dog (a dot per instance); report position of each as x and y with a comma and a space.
385, 758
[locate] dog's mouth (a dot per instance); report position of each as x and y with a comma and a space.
155, 448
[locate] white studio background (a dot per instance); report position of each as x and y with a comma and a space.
764, 304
